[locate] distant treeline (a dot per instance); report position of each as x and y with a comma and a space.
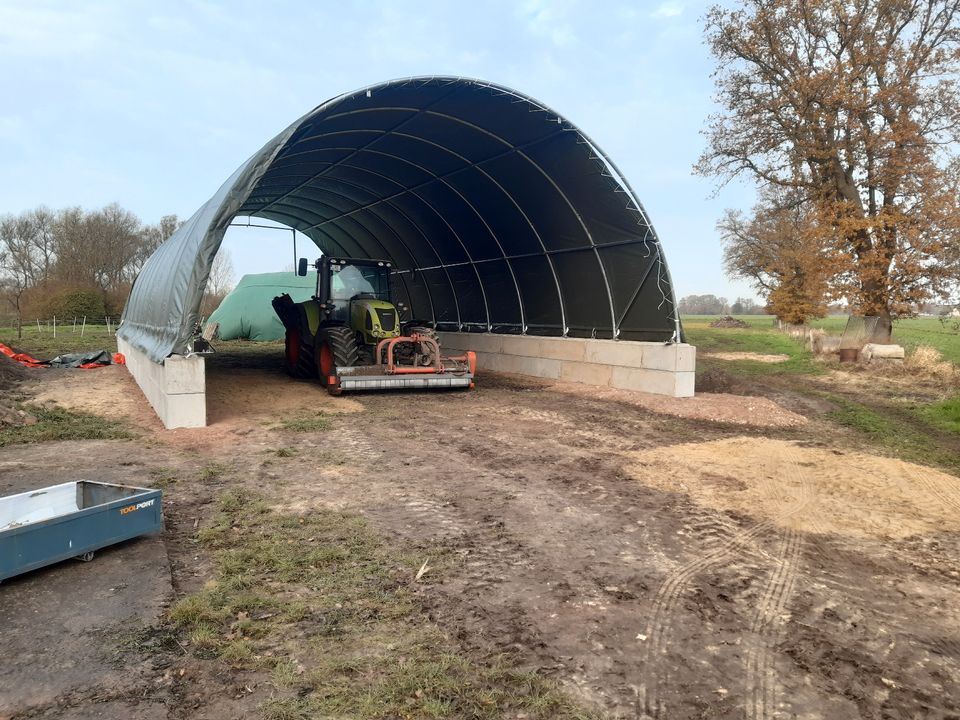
73, 262
713, 305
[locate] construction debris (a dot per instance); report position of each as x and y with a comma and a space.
728, 321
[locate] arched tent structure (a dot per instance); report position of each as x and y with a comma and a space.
499, 216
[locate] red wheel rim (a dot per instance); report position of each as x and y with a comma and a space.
326, 360
293, 348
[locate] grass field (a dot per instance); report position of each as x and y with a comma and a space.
763, 337
42, 344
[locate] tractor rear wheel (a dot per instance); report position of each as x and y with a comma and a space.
298, 356
336, 348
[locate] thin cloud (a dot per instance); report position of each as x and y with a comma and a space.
668, 9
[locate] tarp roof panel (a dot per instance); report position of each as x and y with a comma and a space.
498, 214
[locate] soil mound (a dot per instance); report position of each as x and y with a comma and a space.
728, 321
11, 372
813, 489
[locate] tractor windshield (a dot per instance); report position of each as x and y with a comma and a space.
348, 281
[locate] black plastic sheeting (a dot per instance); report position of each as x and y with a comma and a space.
498, 215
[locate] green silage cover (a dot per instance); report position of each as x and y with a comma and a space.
247, 314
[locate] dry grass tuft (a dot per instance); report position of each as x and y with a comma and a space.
928, 362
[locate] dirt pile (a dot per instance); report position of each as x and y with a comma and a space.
11, 373
11, 416
728, 321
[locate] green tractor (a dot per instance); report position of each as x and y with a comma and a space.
350, 335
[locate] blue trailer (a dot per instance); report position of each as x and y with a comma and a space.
71, 520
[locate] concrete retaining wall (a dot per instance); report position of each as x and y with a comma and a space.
176, 389
650, 367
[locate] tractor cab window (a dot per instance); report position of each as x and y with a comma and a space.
348, 281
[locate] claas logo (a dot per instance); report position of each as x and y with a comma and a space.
138, 506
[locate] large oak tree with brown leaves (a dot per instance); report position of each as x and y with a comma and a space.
851, 109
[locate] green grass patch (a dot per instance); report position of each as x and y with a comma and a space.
330, 610
43, 345
59, 424
761, 337
212, 471
909, 440
318, 422
909, 332
945, 415
163, 477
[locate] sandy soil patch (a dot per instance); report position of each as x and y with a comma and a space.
231, 395
756, 357
715, 407
811, 489
234, 393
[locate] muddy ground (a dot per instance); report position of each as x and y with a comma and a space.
654, 563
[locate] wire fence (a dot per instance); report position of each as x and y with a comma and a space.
75, 325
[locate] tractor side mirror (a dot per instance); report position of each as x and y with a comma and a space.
302, 267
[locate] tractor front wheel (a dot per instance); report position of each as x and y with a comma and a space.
298, 356
336, 348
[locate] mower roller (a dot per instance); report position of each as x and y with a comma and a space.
350, 336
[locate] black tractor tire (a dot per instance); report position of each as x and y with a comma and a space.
298, 356
336, 348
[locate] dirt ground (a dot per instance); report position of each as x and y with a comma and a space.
654, 562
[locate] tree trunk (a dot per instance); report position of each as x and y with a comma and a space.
884, 332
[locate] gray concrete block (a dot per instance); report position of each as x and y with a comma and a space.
572, 349
175, 390
184, 375
660, 382
675, 358
623, 353
588, 373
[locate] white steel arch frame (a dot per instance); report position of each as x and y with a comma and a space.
498, 214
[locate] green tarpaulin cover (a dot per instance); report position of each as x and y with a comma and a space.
247, 314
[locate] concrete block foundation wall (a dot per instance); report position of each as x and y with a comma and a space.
624, 364
176, 389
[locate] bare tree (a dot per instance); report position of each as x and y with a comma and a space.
222, 277
21, 263
153, 236
220, 282
97, 249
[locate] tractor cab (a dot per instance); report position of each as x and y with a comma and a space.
356, 293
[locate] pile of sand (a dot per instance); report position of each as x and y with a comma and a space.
811, 489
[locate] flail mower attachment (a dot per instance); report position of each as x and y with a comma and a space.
407, 361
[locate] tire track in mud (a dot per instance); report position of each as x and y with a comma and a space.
950, 499
486, 547
773, 598
439, 519
767, 626
665, 604
768, 620
488, 551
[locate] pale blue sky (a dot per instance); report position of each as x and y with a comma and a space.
153, 105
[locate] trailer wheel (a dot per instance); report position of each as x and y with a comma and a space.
298, 356
336, 348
